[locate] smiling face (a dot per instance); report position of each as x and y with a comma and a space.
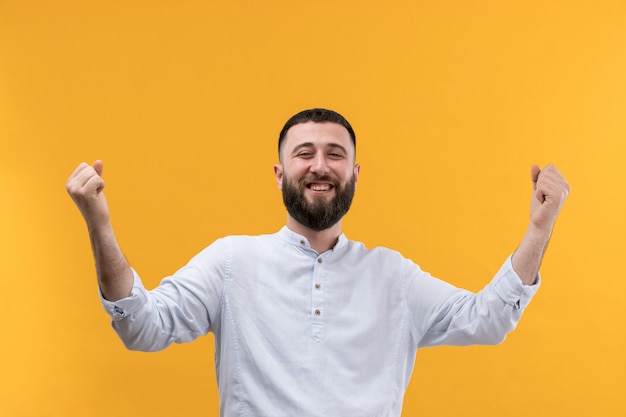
317, 175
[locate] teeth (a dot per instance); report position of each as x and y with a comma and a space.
320, 187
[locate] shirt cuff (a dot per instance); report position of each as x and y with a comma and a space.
509, 287
120, 309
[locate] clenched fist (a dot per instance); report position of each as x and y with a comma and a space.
86, 186
550, 190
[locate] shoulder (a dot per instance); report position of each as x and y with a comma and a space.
247, 244
248, 241
229, 249
360, 247
379, 254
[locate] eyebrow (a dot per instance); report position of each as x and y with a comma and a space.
311, 145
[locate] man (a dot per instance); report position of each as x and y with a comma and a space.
307, 322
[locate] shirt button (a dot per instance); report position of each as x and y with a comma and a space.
302, 242
317, 312
319, 260
318, 286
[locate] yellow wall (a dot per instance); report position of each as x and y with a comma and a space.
452, 102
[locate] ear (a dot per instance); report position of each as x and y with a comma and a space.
356, 172
278, 172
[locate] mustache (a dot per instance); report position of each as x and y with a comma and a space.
318, 178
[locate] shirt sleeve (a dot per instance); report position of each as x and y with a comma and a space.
442, 314
183, 307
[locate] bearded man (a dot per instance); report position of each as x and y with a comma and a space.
306, 321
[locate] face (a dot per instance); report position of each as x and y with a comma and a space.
318, 175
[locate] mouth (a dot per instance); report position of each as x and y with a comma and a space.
319, 187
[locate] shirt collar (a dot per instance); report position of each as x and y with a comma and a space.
300, 241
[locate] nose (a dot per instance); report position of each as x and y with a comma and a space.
319, 165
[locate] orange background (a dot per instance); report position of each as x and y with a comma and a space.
452, 102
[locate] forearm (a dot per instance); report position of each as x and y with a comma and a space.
550, 189
528, 256
115, 276
86, 186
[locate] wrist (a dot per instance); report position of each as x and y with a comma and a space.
99, 226
538, 235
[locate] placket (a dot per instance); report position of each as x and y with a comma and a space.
318, 290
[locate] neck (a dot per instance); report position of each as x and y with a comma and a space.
320, 241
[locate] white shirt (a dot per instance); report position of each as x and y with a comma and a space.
299, 333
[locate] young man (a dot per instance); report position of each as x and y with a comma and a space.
307, 322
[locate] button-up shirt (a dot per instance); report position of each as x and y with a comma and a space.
299, 333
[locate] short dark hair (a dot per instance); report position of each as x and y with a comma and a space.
316, 115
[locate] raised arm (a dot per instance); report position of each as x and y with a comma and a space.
86, 186
550, 189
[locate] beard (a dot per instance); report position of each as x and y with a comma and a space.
317, 214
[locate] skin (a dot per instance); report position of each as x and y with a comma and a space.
86, 187
322, 149
550, 190
309, 148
